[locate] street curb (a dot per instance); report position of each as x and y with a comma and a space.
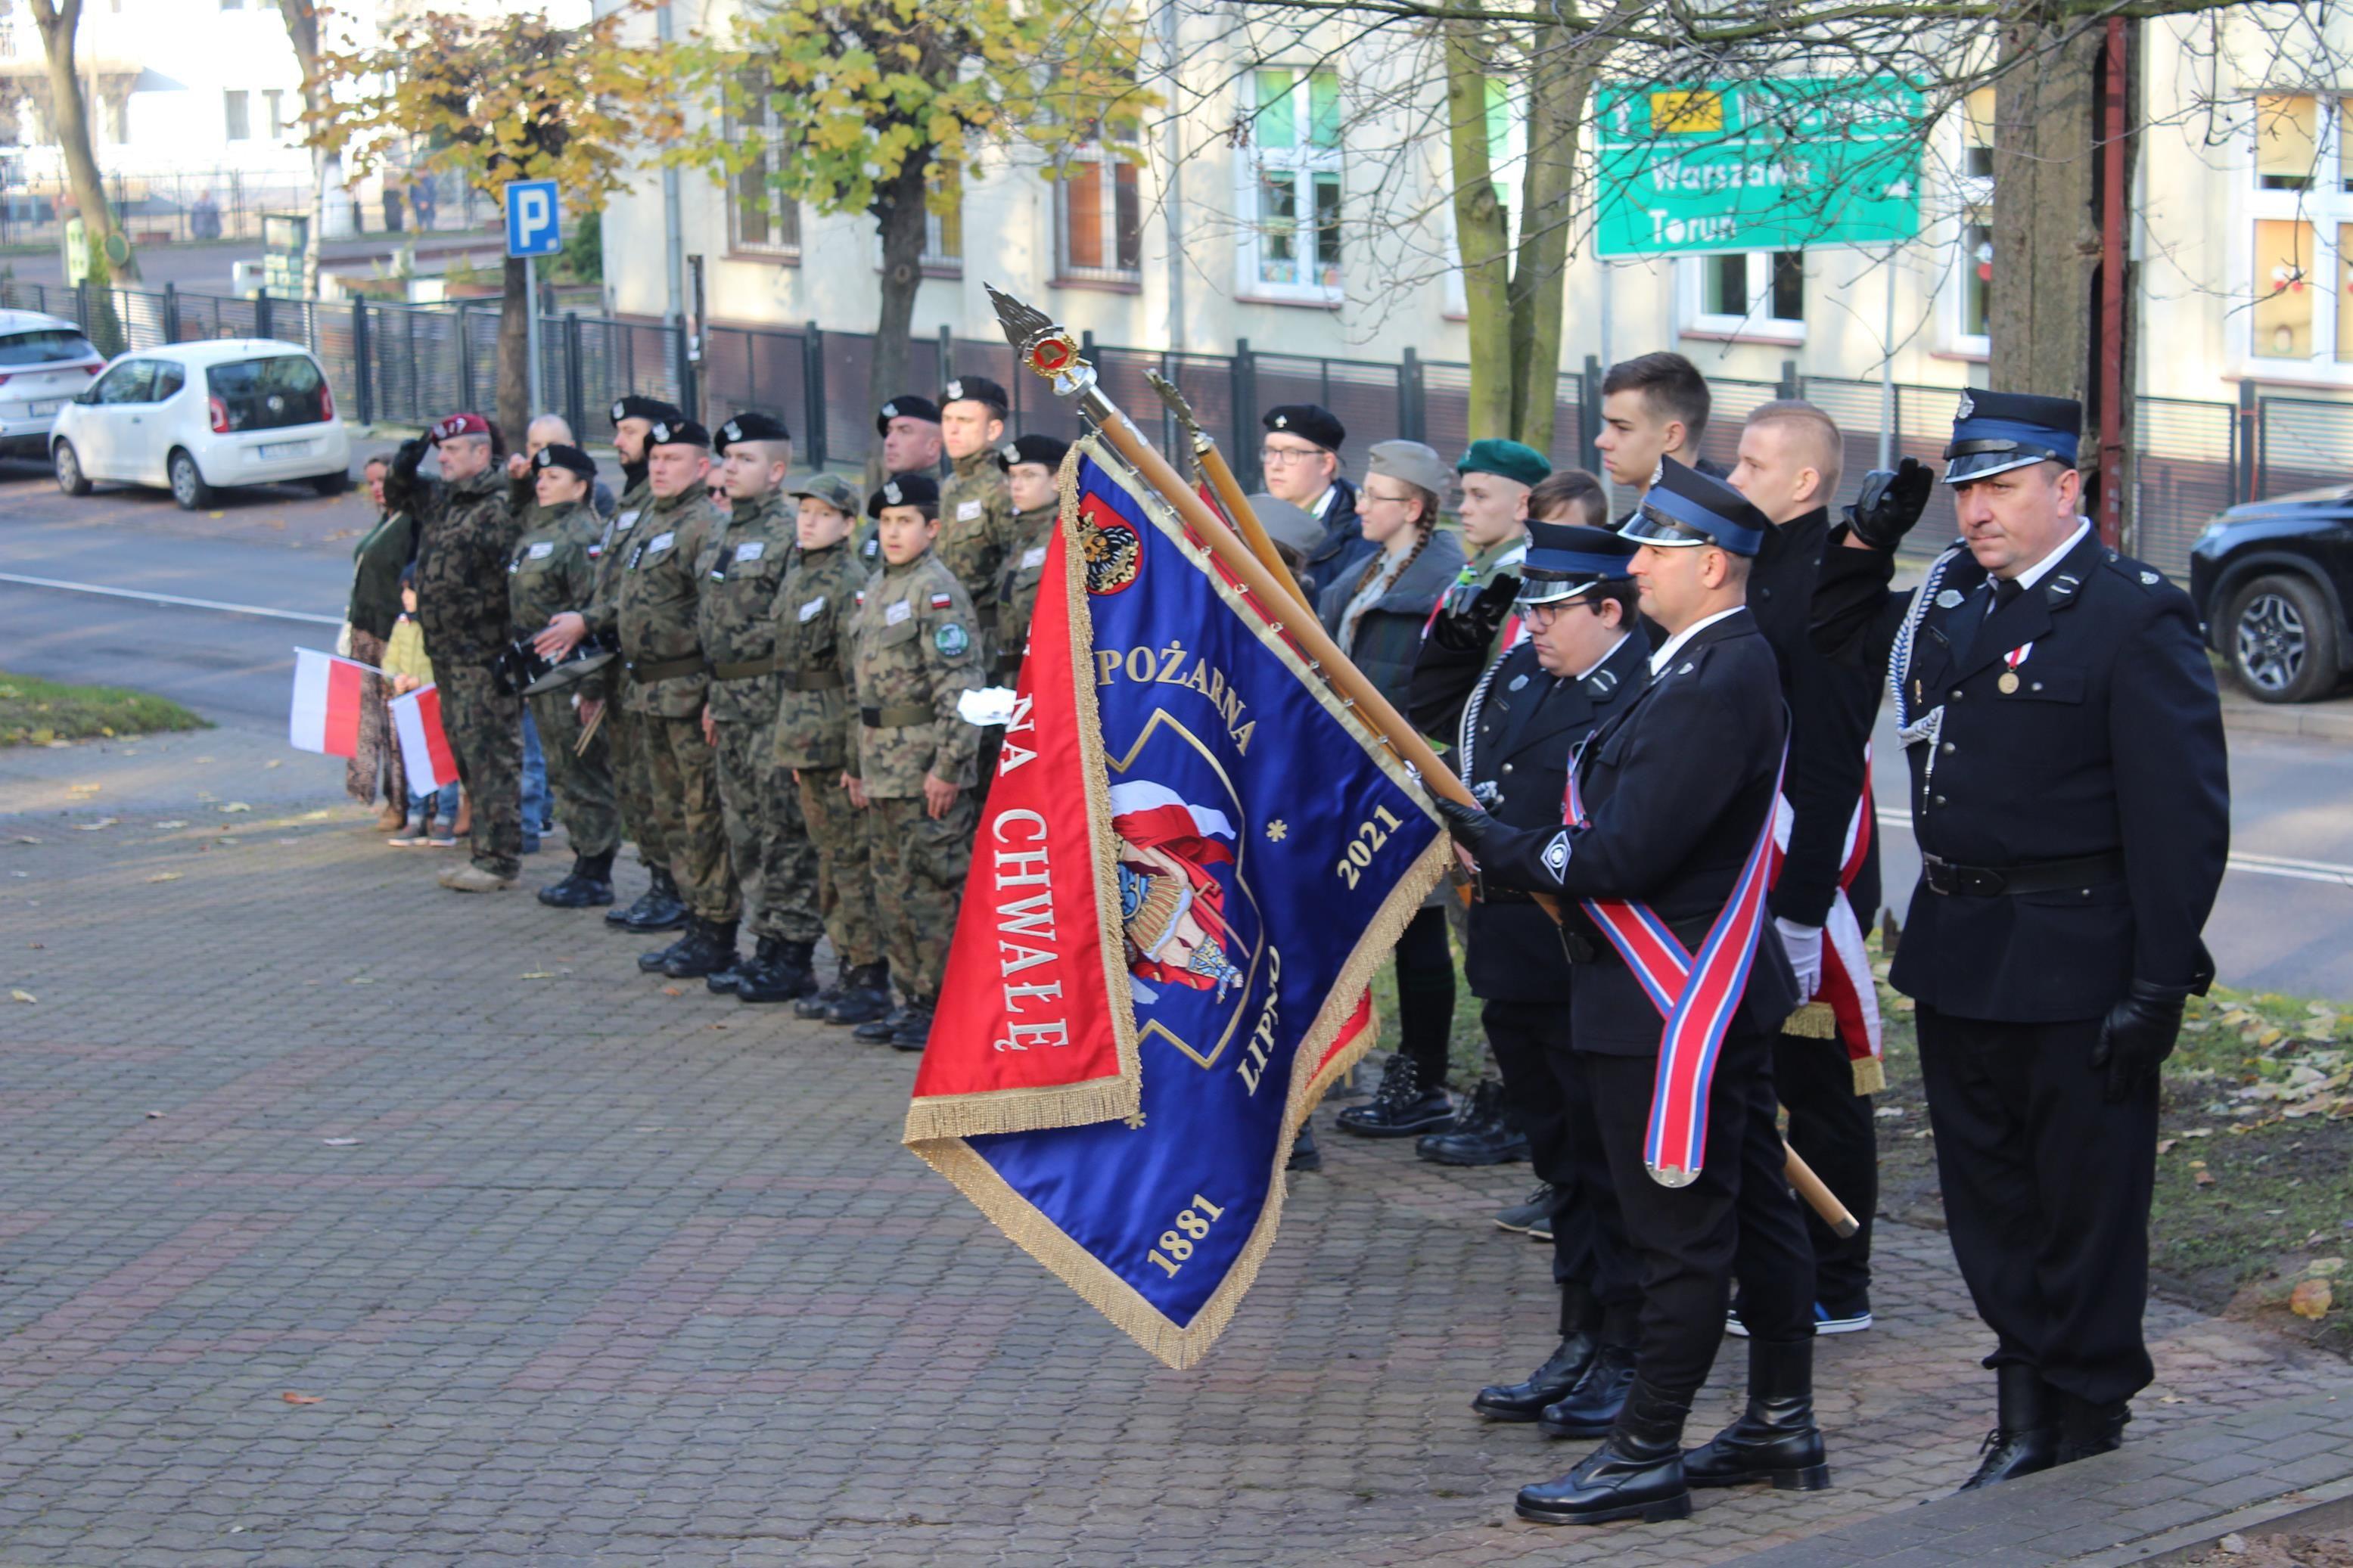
2323, 722
2327, 1502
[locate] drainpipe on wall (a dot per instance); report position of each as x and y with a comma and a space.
673, 226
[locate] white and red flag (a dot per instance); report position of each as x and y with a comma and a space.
424, 750
325, 716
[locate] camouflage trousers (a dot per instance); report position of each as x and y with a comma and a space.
582, 780
633, 783
685, 776
845, 874
766, 836
919, 871
484, 726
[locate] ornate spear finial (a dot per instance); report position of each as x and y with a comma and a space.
1049, 351
1179, 409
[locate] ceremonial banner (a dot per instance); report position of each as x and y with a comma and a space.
1189, 866
424, 753
324, 715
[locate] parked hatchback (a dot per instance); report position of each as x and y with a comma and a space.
45, 363
2270, 580
202, 417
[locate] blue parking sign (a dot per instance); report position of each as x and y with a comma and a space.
534, 220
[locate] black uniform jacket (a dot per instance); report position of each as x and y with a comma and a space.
1676, 787
1518, 731
2111, 742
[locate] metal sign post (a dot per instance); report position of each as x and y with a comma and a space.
534, 229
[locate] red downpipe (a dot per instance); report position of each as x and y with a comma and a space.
2112, 391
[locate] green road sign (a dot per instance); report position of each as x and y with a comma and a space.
1786, 163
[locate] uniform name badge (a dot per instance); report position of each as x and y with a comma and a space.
751, 551
542, 551
660, 541
625, 521
2008, 683
896, 613
1033, 556
967, 511
809, 611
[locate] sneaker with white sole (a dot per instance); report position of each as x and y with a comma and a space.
1826, 1323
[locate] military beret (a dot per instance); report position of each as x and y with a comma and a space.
677, 432
648, 408
906, 408
1293, 527
1563, 560
750, 426
1032, 448
1410, 462
1507, 461
458, 424
976, 389
556, 455
1686, 506
831, 488
1997, 431
1307, 422
904, 490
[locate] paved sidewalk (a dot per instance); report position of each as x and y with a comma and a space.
579, 1270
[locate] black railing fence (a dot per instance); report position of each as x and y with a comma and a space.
412, 364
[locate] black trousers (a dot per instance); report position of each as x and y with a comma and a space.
1831, 1128
1425, 983
1546, 1097
2046, 1196
1738, 1214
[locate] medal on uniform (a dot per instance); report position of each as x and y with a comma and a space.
2008, 683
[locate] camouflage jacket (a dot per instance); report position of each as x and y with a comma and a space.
657, 604
549, 570
815, 725
612, 552
1017, 585
464, 533
976, 523
747, 557
912, 654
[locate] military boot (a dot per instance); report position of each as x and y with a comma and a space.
1637, 1473
589, 884
1401, 1107
708, 947
814, 1004
1548, 1384
781, 974
651, 962
865, 999
1482, 1135
915, 1030
1776, 1438
659, 908
2025, 1438
881, 1030
722, 982
1591, 1409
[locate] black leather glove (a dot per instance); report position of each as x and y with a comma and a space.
1468, 824
410, 457
1474, 624
2137, 1036
1890, 503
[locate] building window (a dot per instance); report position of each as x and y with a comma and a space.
274, 102
761, 219
1968, 292
1756, 294
1977, 282
1291, 186
241, 120
1976, 135
1100, 218
2298, 235
943, 231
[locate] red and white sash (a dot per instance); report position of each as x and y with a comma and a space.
1696, 998
1848, 987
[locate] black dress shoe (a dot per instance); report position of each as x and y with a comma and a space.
1401, 1107
1774, 1439
1637, 1473
2025, 1438
865, 1000
708, 947
660, 909
781, 973
1525, 1400
915, 1030
1480, 1135
1592, 1407
877, 1031
2085, 1428
1304, 1154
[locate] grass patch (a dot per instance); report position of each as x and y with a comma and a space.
39, 712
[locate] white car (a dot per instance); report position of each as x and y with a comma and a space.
43, 363
201, 417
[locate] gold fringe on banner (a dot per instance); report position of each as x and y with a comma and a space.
1814, 1021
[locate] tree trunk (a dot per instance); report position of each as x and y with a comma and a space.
1559, 82
514, 409
2046, 227
1481, 235
58, 21
899, 210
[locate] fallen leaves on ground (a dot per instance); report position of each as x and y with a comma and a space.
165, 877
22, 996
2310, 1300
233, 806
290, 1397
94, 826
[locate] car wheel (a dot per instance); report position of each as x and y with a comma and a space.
189, 487
67, 462
2283, 639
333, 484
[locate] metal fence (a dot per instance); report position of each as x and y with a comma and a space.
185, 205
412, 364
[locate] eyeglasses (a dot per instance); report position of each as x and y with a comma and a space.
1539, 617
1277, 456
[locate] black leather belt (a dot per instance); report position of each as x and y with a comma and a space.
813, 680
1946, 877
904, 717
1582, 948
653, 669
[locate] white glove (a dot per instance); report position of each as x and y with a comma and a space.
1804, 946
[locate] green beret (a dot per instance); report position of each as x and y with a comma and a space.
1506, 460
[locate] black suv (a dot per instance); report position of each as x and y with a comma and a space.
2270, 580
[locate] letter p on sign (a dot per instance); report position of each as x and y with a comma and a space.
534, 222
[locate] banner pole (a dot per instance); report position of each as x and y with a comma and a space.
1213, 467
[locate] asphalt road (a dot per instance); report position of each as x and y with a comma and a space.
2281, 923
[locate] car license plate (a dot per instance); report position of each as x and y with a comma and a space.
35, 410
284, 448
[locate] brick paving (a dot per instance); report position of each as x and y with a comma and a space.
580, 1272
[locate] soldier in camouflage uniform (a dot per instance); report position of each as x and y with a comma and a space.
465, 530
766, 838
975, 510
912, 656
550, 572
815, 729
1033, 466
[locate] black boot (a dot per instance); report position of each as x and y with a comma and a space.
589, 884
782, 974
708, 947
2025, 1438
660, 908
651, 962
865, 998
1593, 1406
1637, 1473
1304, 1154
879, 1031
814, 1006
1548, 1384
724, 982
1480, 1135
2085, 1428
1401, 1107
1776, 1438
915, 1030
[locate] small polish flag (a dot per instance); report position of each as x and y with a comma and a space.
941, 600
424, 749
326, 712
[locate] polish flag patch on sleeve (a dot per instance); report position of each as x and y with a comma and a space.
941, 600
